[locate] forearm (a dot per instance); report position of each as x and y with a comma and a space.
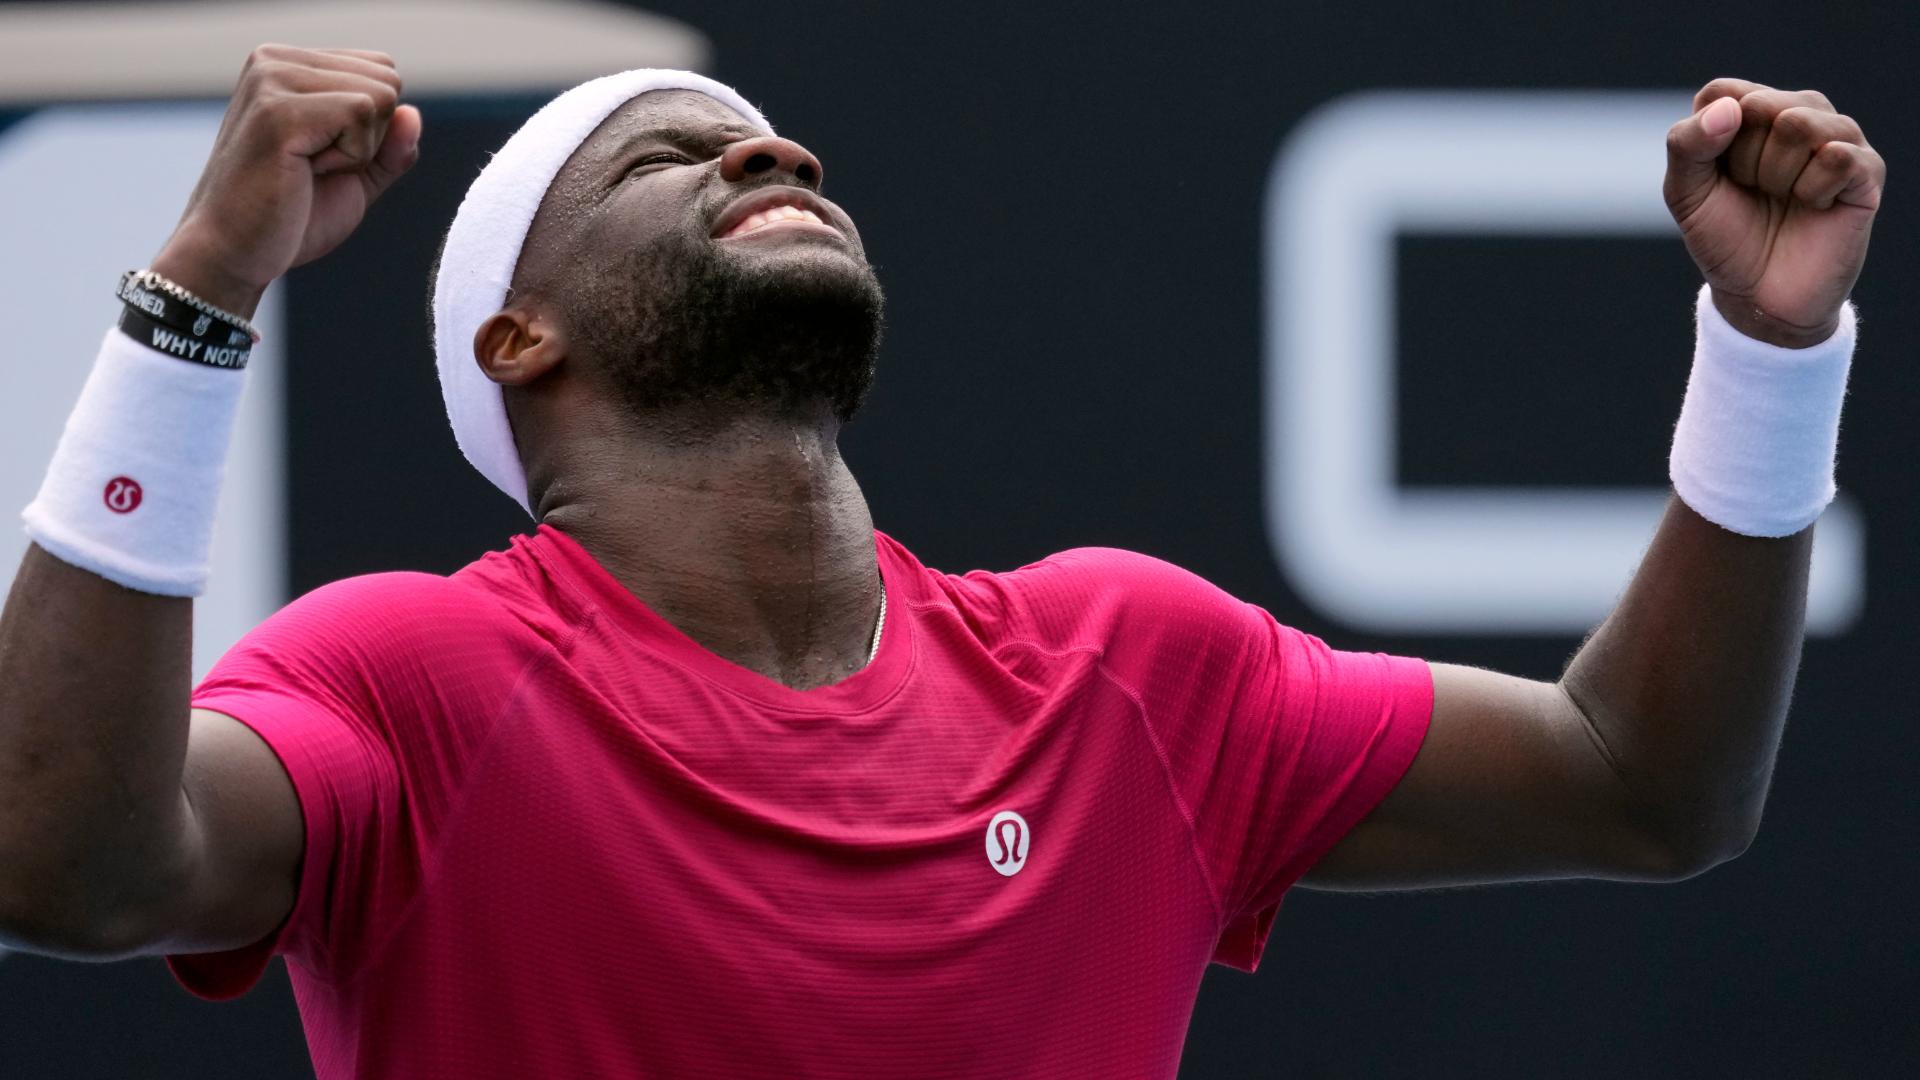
109, 842
1686, 684
95, 641
94, 685
1650, 759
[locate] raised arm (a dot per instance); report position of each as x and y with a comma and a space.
1650, 758
128, 822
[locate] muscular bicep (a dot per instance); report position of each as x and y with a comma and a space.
1511, 784
244, 840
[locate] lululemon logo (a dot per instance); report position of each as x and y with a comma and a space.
1008, 839
122, 495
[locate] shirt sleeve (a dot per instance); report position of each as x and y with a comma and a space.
1276, 745
1311, 741
339, 686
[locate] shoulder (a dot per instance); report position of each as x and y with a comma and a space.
1116, 579
396, 628
1105, 597
387, 606
501, 594
1106, 578
367, 623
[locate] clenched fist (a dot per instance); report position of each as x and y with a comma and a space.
1775, 194
311, 138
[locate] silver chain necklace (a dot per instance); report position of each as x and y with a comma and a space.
879, 624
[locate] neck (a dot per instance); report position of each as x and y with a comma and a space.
747, 533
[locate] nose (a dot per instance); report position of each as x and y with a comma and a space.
769, 154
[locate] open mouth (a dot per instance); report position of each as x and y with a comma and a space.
767, 218
779, 208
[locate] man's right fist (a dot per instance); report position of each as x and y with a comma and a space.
311, 138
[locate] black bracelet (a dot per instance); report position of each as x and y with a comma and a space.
163, 302
228, 348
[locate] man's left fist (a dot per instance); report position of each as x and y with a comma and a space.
1775, 193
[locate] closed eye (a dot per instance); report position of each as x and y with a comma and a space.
665, 158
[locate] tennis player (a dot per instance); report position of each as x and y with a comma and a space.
705, 777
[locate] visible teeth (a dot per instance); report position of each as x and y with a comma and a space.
771, 215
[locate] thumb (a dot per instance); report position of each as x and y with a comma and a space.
1694, 146
397, 153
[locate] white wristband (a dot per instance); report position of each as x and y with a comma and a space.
1754, 449
131, 491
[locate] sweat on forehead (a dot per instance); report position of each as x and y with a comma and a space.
674, 115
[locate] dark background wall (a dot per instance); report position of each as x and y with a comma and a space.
1065, 203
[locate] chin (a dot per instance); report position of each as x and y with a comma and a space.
791, 278
783, 322
804, 255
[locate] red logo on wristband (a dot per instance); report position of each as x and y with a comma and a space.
122, 495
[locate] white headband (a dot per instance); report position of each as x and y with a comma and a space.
483, 246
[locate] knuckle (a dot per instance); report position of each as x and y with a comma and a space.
271, 104
1857, 162
1719, 88
1765, 102
266, 52
257, 68
281, 110
270, 71
1835, 154
1797, 124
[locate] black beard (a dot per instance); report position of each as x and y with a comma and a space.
686, 324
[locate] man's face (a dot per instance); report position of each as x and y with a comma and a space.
681, 280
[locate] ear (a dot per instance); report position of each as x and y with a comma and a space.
515, 346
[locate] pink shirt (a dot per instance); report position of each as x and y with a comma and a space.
547, 835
